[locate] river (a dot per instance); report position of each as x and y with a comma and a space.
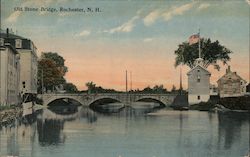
80, 131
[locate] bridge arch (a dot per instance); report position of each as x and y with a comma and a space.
150, 99
103, 101
49, 103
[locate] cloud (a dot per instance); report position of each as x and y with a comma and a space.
148, 39
126, 27
203, 6
168, 15
13, 17
151, 17
84, 33
248, 2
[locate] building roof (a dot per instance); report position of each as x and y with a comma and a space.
231, 73
199, 67
11, 36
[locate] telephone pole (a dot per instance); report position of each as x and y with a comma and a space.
126, 81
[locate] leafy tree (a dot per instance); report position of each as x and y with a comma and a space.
91, 86
53, 68
59, 60
49, 73
211, 52
70, 88
159, 89
173, 89
147, 90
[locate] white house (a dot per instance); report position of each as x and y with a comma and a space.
9, 74
198, 83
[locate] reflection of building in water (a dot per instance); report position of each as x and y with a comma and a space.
12, 142
50, 132
230, 128
16, 138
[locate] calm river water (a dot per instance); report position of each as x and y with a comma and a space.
81, 132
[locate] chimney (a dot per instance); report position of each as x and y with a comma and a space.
7, 32
228, 69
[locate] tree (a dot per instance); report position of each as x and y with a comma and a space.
70, 88
91, 86
59, 60
211, 52
147, 90
53, 68
48, 73
173, 89
159, 89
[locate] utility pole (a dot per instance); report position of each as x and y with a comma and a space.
180, 80
126, 81
130, 81
126, 87
42, 81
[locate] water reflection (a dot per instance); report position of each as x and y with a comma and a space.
50, 132
172, 133
229, 129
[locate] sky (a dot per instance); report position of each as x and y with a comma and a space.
139, 36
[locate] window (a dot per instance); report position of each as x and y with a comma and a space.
18, 43
198, 97
198, 79
1, 42
23, 84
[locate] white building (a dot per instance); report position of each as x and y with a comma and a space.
28, 63
9, 74
198, 83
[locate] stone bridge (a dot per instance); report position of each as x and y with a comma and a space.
125, 98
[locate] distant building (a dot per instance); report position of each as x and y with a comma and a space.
248, 88
231, 84
213, 90
198, 83
9, 74
28, 62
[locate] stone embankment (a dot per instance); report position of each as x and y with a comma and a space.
224, 104
8, 116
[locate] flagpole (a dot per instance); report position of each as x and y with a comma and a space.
199, 44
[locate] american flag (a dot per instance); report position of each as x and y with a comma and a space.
194, 39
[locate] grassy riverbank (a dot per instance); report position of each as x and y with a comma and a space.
9, 113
